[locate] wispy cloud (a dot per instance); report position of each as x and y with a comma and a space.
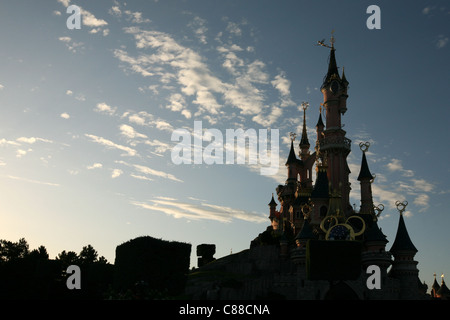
161, 56
95, 166
89, 20
108, 143
72, 45
441, 41
149, 171
34, 181
396, 165
32, 140
199, 210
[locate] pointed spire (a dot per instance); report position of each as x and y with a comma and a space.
304, 143
402, 240
332, 68
444, 291
320, 121
435, 285
272, 202
364, 172
291, 158
343, 78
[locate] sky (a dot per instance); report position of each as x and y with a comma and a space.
87, 116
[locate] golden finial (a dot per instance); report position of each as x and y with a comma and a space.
378, 209
364, 146
401, 206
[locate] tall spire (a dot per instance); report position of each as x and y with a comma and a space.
402, 242
291, 158
364, 172
304, 140
304, 143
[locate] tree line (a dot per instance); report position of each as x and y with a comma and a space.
31, 274
144, 268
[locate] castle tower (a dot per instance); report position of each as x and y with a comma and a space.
404, 268
435, 288
365, 178
273, 215
292, 164
304, 143
334, 141
443, 292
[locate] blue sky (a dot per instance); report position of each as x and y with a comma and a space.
87, 116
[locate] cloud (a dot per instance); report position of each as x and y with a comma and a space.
160, 147
34, 181
426, 10
32, 140
108, 143
129, 132
136, 17
71, 45
139, 177
199, 26
198, 86
149, 171
65, 115
422, 185
282, 84
199, 210
104, 108
1, 87
95, 166
116, 173
89, 20
234, 28
396, 165
157, 173
64, 2
20, 152
441, 41
4, 142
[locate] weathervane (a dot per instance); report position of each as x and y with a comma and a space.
332, 41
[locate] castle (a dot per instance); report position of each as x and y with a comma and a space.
317, 245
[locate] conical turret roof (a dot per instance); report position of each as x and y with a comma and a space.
364, 173
402, 240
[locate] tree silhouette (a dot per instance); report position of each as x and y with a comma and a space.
88, 255
13, 250
39, 253
67, 258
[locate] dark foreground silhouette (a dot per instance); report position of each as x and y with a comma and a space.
144, 268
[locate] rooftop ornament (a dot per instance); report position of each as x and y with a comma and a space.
401, 206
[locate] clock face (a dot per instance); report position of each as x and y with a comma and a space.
334, 86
